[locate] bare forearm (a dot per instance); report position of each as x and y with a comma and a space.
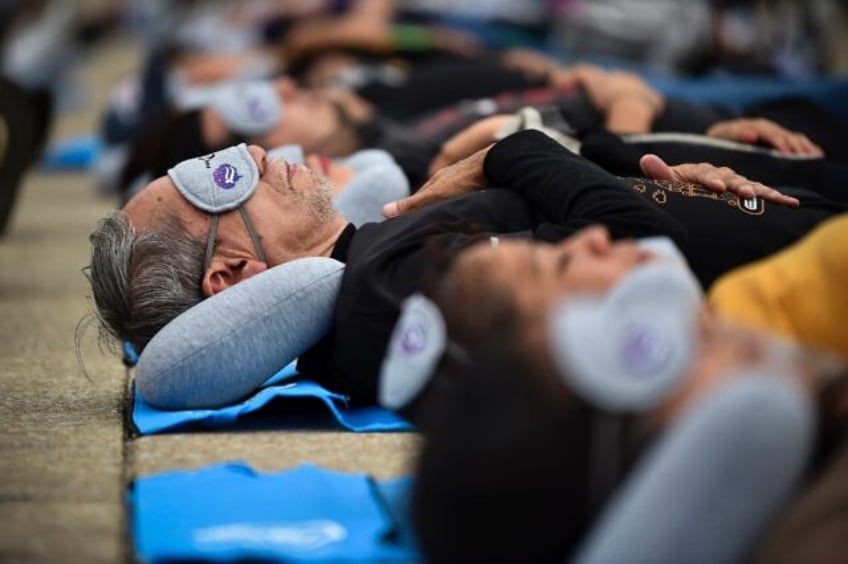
631, 115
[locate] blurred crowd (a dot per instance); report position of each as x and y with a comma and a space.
591, 115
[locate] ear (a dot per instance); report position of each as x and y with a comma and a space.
224, 272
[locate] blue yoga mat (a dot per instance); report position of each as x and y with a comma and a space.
285, 384
76, 153
308, 514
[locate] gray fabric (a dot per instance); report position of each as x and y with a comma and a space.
217, 182
628, 349
290, 153
378, 181
417, 343
225, 347
248, 107
714, 482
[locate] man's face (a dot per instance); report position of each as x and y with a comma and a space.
337, 173
309, 119
540, 274
291, 209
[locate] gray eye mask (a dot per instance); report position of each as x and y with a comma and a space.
290, 153
217, 183
248, 108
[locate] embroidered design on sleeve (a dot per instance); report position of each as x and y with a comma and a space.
749, 206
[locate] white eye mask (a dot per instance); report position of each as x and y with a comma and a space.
418, 340
217, 183
249, 107
626, 349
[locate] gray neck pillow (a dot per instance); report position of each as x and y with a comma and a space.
227, 346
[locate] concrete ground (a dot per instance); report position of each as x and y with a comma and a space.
66, 455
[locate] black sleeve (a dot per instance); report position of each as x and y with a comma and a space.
430, 87
571, 192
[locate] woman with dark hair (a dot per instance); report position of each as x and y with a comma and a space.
628, 407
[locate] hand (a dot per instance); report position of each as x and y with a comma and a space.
628, 103
607, 88
461, 178
765, 131
468, 141
717, 179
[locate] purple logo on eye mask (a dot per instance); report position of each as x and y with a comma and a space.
226, 176
644, 351
414, 338
255, 109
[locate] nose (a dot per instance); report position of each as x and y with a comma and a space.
595, 239
260, 157
287, 88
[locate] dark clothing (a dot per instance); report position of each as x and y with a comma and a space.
429, 86
550, 193
414, 143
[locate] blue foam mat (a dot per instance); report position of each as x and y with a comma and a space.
285, 384
230, 512
75, 153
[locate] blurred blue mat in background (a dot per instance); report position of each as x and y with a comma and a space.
307, 514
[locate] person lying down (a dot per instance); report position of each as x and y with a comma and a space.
218, 220
623, 402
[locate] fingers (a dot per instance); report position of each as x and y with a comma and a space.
785, 141
772, 195
793, 143
404, 205
723, 179
655, 168
768, 133
394, 209
439, 187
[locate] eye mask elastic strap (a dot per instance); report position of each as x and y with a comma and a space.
213, 233
253, 236
210, 242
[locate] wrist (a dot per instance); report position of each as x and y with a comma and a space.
632, 115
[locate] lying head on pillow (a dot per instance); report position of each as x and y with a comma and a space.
226, 346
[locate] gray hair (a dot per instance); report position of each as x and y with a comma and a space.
140, 282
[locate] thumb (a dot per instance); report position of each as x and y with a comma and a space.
396, 208
655, 168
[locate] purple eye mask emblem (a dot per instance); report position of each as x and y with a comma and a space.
644, 350
218, 182
418, 341
226, 176
413, 339
257, 109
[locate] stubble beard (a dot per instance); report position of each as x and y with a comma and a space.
318, 202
